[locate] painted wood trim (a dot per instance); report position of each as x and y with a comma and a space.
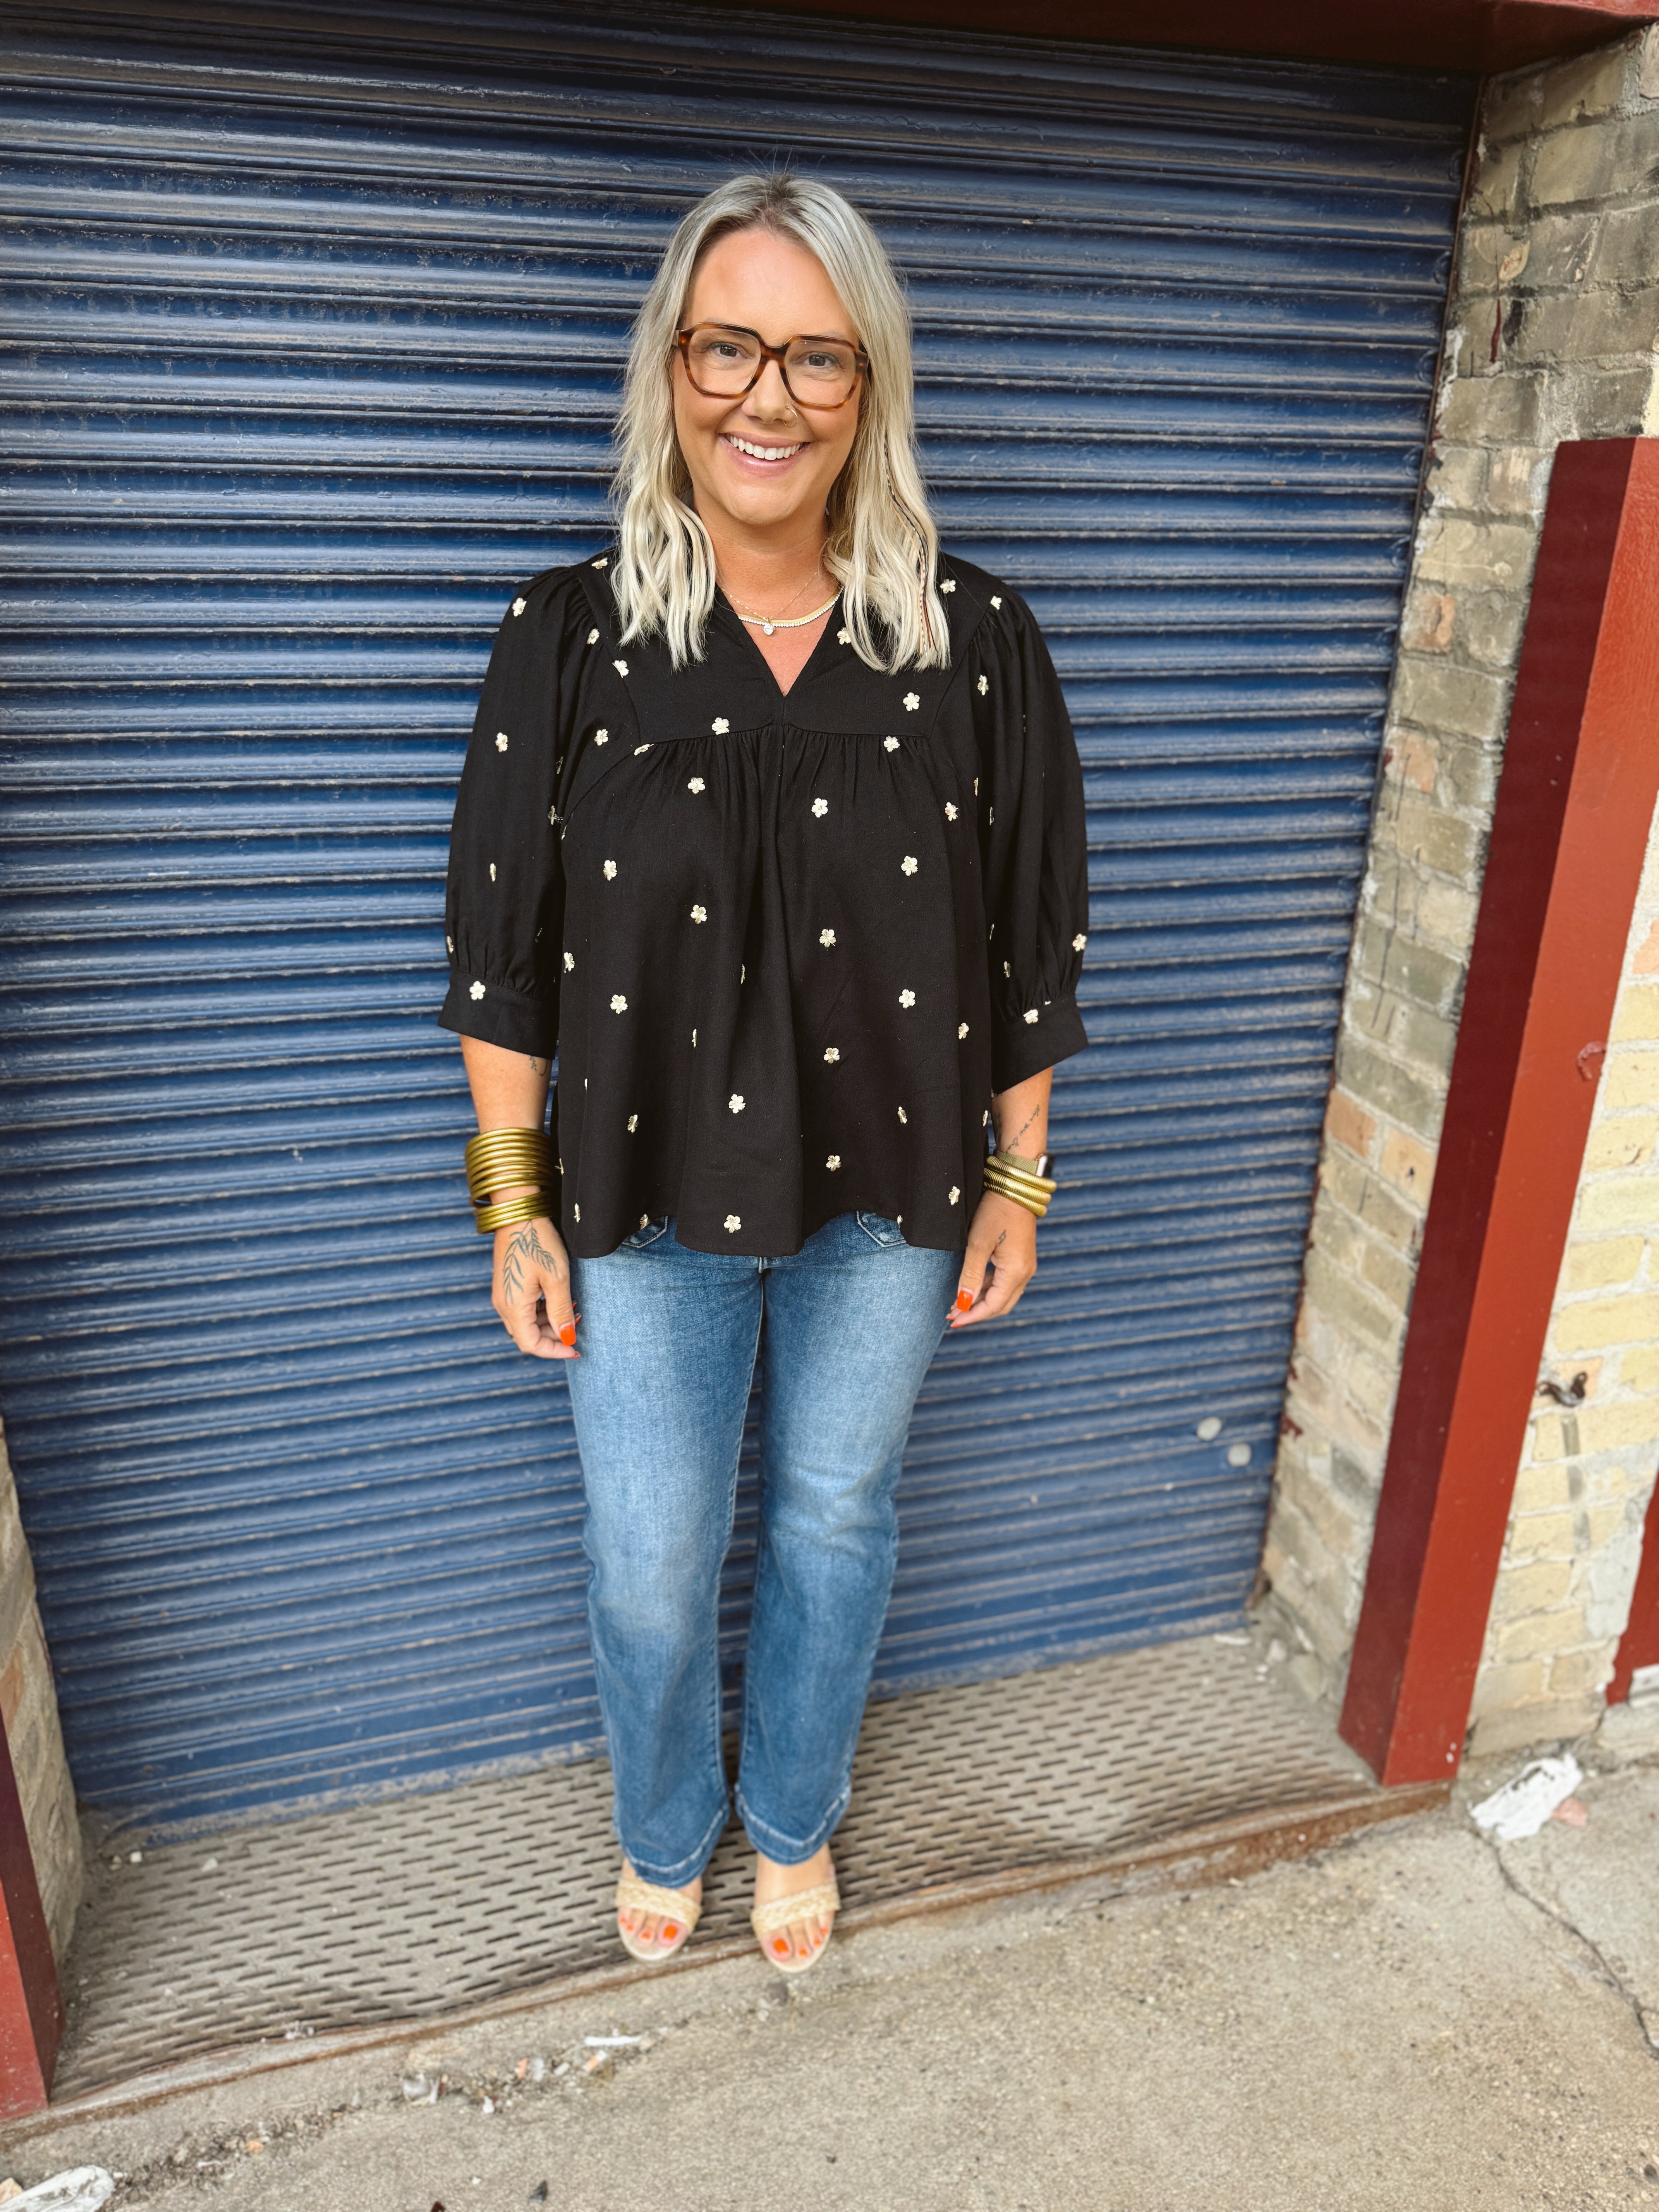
1580, 780
31, 2003
1639, 1644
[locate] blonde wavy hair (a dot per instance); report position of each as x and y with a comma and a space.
882, 548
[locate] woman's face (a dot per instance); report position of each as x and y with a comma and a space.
759, 465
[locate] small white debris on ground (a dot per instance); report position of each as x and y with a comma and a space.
1521, 1808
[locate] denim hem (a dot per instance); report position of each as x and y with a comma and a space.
685, 1869
791, 1850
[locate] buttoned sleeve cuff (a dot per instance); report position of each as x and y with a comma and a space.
1022, 1046
497, 1016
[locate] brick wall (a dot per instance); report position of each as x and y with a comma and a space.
30, 1708
1552, 327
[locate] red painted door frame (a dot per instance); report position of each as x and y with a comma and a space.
31, 2004
1455, 34
1639, 1644
1577, 796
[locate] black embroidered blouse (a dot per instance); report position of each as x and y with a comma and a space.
786, 945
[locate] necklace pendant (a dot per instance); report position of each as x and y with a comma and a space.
768, 628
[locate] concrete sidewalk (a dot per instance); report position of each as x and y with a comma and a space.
1411, 2019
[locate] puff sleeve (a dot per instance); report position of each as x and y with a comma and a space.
1032, 843
504, 902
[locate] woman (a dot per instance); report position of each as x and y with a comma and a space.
772, 826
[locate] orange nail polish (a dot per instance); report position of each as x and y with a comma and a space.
670, 1932
964, 1299
567, 1334
782, 1947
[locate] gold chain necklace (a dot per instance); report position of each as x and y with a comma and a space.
800, 622
768, 623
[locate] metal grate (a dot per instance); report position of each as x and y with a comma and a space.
418, 1906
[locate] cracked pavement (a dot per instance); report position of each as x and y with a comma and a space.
1411, 2019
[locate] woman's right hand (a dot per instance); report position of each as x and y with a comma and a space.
533, 1290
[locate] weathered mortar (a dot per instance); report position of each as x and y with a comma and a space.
1553, 325
30, 1708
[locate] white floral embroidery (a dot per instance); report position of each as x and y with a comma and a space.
904, 1117
610, 870
1006, 969
633, 1123
500, 741
736, 1103
478, 990
1078, 942
908, 865
621, 667
601, 737
962, 1029
696, 784
618, 1004
605, 564
976, 787
638, 750
907, 998
949, 810
889, 745
577, 1210
996, 600
552, 818
694, 1040
734, 1223
912, 701
569, 962
645, 1221
984, 685
449, 944
592, 637
843, 637
990, 816
832, 1054
820, 807
492, 872
719, 725
833, 1162
955, 1194
949, 584
699, 914
826, 937
518, 606
1030, 1013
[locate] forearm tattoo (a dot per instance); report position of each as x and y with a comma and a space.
1010, 1144
525, 1250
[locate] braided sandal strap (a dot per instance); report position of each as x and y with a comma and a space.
633, 1895
805, 1904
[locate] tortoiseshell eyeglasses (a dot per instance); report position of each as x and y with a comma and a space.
723, 362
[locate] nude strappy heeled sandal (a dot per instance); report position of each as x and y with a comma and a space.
769, 1920
636, 1896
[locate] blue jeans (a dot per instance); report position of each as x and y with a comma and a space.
668, 1342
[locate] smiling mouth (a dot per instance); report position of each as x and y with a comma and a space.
765, 452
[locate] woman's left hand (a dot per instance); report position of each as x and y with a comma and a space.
1000, 1260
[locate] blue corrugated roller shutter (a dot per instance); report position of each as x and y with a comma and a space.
313, 342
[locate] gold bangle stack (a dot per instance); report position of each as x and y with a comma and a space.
1011, 1178
496, 1157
